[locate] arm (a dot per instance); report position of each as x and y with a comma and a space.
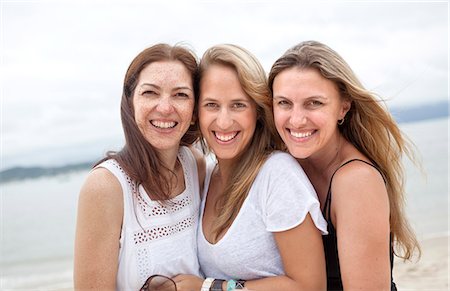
360, 214
99, 222
301, 250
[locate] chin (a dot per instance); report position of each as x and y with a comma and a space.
298, 154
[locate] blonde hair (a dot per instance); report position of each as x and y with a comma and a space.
253, 80
367, 125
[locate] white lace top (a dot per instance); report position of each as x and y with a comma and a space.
278, 200
157, 239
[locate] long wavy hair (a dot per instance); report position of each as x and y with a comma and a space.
138, 158
253, 80
368, 126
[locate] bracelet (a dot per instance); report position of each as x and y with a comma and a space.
231, 285
240, 284
216, 285
207, 284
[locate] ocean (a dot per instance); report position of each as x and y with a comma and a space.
38, 216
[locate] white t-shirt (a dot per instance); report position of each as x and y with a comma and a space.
278, 200
157, 239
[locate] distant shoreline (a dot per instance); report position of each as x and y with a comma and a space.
23, 173
402, 116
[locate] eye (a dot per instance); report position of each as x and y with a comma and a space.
283, 103
211, 105
315, 103
239, 105
182, 95
149, 92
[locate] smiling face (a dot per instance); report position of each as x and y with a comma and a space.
227, 116
164, 103
306, 109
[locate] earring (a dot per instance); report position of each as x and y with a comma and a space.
341, 121
192, 122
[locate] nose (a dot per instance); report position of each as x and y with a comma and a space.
298, 117
165, 105
224, 119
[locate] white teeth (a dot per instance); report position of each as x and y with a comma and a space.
161, 124
301, 134
228, 137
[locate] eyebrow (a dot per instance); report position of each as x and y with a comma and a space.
232, 100
174, 89
307, 98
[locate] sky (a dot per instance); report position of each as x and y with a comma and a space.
63, 62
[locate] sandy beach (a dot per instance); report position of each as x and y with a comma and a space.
431, 272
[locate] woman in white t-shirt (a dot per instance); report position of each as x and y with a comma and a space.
260, 221
138, 209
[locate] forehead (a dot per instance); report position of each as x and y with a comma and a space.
166, 72
220, 80
219, 73
305, 81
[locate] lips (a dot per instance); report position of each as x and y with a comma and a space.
301, 134
225, 137
163, 124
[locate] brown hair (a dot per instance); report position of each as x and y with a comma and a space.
368, 126
253, 80
138, 158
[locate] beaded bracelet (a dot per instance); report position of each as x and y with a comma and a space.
235, 284
207, 284
231, 285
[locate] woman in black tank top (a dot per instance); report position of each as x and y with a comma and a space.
334, 280
351, 149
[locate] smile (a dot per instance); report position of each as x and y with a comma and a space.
224, 137
163, 124
300, 134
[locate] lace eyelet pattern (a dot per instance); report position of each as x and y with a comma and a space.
159, 232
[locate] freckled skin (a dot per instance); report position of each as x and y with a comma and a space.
164, 94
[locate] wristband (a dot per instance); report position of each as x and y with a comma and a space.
217, 285
231, 285
207, 284
240, 284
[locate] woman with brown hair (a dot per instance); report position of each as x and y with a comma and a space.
351, 149
138, 209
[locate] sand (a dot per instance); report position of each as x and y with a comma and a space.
431, 272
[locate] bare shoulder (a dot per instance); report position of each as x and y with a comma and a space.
357, 174
359, 187
101, 190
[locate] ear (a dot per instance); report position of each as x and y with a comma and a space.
193, 120
345, 107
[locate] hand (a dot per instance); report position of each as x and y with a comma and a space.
188, 282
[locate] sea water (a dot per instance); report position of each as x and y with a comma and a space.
38, 216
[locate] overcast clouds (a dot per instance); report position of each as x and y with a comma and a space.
63, 62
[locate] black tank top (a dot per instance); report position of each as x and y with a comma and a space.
334, 280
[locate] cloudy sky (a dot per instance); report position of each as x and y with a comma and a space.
63, 62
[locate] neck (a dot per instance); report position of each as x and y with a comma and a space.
224, 168
169, 158
325, 162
